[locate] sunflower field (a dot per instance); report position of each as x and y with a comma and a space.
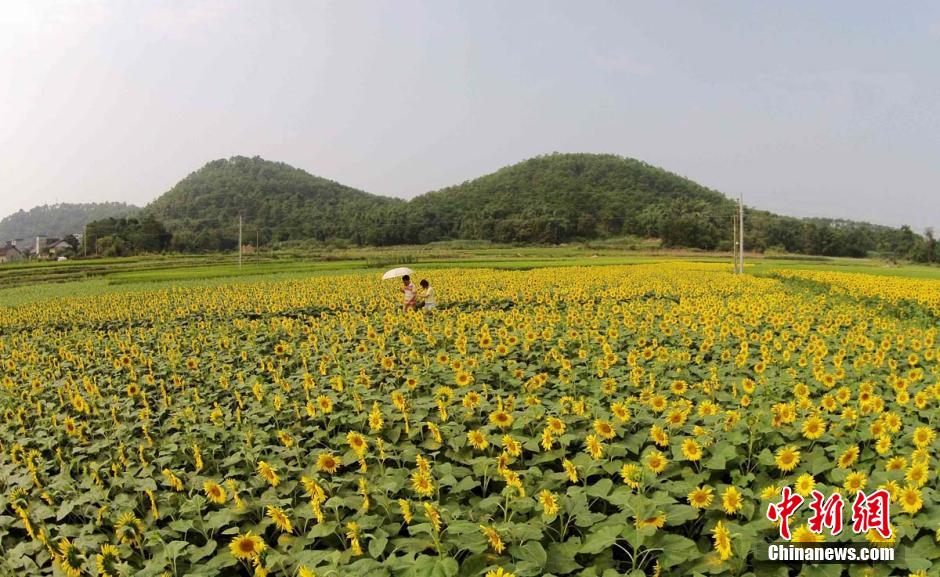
594, 421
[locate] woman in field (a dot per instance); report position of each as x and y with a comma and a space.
409, 294
427, 295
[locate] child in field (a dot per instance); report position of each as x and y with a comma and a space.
427, 295
409, 294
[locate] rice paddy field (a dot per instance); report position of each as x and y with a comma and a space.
557, 415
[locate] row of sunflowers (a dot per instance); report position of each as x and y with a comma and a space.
629, 420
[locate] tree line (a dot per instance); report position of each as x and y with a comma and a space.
689, 226
126, 236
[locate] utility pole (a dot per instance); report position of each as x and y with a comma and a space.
239, 241
734, 242
741, 233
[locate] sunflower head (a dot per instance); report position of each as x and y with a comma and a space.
477, 440
247, 546
107, 560
691, 450
327, 463
128, 528
69, 558
656, 461
787, 458
267, 472
700, 497
280, 518
604, 429
214, 492
501, 419
422, 484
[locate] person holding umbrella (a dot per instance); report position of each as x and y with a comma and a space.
409, 294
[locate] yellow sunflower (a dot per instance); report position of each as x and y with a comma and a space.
268, 473
106, 561
501, 419
422, 484
477, 440
549, 502
604, 429
69, 558
848, 457
700, 497
214, 492
855, 482
594, 446
813, 427
722, 538
658, 521
731, 500
805, 484
656, 461
327, 463
280, 518
357, 442
496, 542
691, 450
910, 500
787, 458
247, 546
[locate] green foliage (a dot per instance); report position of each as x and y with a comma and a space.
125, 236
277, 203
58, 220
562, 197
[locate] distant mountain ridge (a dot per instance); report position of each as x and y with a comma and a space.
553, 198
59, 220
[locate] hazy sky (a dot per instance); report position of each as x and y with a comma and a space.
807, 108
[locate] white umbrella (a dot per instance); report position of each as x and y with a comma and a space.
397, 272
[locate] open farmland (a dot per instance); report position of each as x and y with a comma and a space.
602, 420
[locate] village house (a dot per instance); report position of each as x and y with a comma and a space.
55, 246
41, 248
10, 253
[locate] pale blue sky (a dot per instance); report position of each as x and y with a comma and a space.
807, 108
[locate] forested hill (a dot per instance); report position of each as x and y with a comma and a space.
561, 197
276, 200
59, 220
565, 197
547, 199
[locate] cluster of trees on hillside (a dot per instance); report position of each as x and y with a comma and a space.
126, 236
555, 198
59, 220
545, 200
829, 237
284, 202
